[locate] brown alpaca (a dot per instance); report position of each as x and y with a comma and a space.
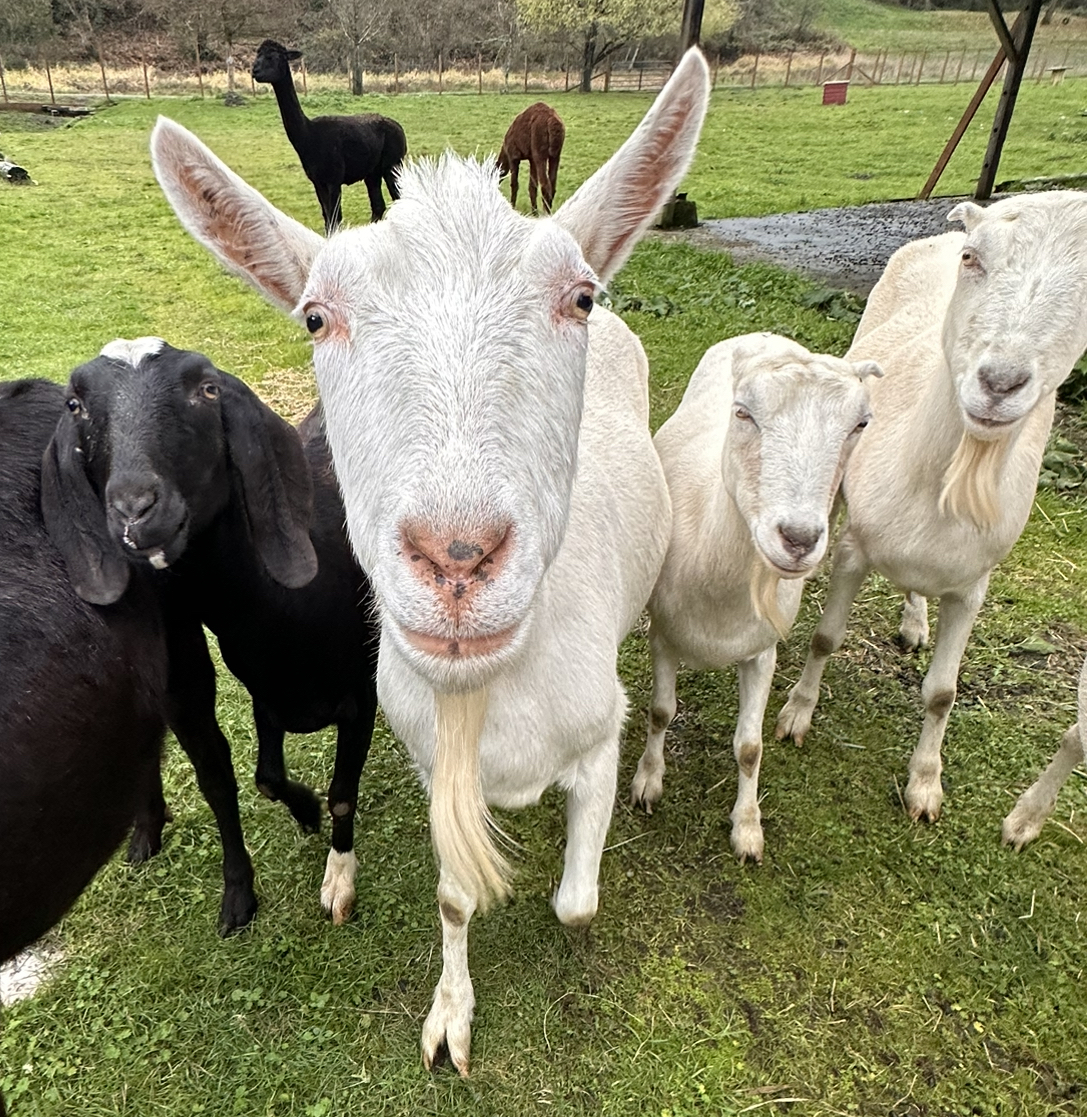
536, 135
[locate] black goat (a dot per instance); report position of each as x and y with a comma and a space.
197, 478
335, 150
81, 686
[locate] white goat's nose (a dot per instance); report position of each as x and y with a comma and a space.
1002, 380
800, 539
456, 564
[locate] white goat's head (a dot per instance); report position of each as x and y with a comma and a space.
449, 345
796, 416
1017, 321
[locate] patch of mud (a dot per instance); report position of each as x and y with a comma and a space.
847, 247
21, 976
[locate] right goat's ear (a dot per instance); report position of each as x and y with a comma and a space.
224, 213
608, 213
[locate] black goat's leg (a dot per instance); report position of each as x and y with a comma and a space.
377, 199
190, 713
146, 838
272, 781
352, 747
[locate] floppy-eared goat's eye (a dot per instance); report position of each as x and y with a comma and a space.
74, 405
209, 390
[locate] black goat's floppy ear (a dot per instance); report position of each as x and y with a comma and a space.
76, 521
267, 457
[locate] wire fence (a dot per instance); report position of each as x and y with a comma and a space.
59, 82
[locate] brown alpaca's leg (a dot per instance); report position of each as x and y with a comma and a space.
532, 178
514, 171
551, 183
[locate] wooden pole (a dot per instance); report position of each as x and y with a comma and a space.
755, 70
526, 72
305, 88
788, 68
49, 78
3, 83
849, 68
146, 83
898, 76
102, 67
716, 67
921, 68
199, 76
396, 74
479, 70
439, 71
958, 71
822, 58
943, 69
607, 75
566, 68
1041, 68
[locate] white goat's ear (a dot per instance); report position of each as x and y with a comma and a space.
968, 213
242, 228
864, 369
611, 210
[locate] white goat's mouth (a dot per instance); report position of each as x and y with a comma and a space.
459, 647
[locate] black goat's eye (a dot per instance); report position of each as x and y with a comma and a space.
314, 323
585, 302
209, 390
74, 405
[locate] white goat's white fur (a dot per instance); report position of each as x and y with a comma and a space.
1025, 820
975, 332
466, 398
755, 449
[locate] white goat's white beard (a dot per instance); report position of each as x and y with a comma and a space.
971, 480
764, 597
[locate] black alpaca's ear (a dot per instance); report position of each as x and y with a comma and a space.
267, 457
76, 521
293, 55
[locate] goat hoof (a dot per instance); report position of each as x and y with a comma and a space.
142, 846
236, 913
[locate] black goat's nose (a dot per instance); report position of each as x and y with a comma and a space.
134, 504
1002, 381
799, 540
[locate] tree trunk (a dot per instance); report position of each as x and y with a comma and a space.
356, 70
589, 60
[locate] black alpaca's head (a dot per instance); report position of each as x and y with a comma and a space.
155, 444
273, 61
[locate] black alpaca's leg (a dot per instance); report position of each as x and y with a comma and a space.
272, 781
146, 839
328, 194
515, 170
190, 713
377, 199
352, 747
390, 182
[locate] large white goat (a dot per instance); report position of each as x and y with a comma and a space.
491, 440
975, 332
753, 457
1025, 820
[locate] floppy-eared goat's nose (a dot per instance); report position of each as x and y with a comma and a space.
132, 502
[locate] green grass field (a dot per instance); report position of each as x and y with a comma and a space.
869, 966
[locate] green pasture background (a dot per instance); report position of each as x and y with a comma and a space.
869, 966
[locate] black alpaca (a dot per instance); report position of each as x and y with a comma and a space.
335, 150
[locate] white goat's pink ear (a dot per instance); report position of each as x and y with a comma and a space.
610, 211
968, 213
239, 225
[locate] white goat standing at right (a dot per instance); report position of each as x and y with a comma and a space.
754, 456
975, 332
1025, 820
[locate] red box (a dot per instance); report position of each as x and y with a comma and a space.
834, 92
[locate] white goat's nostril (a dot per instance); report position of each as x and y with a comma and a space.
1002, 382
459, 559
799, 540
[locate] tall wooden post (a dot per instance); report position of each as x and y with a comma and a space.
199, 76
755, 70
788, 69
479, 70
102, 67
3, 83
49, 78
822, 59
305, 84
526, 72
921, 68
439, 71
396, 74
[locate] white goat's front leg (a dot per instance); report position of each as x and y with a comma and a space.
755, 676
847, 575
913, 631
1024, 822
589, 803
924, 795
449, 1023
648, 784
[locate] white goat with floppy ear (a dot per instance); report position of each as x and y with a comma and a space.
1025, 820
975, 332
753, 457
491, 440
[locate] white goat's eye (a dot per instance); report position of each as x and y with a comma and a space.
969, 258
315, 323
862, 424
742, 413
580, 304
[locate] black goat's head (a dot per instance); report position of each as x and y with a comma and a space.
154, 444
273, 61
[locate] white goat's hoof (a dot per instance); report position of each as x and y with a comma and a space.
747, 840
338, 887
924, 798
795, 719
1025, 820
448, 1027
576, 907
913, 631
647, 787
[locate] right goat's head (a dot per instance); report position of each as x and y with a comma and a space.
796, 417
1017, 321
450, 347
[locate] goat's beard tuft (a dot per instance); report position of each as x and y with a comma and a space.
461, 826
764, 597
971, 480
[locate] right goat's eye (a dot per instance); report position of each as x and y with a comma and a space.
74, 405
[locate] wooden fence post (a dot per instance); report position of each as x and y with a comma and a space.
3, 83
199, 76
788, 69
566, 69
439, 71
479, 70
755, 70
305, 84
716, 67
822, 59
526, 72
849, 68
49, 78
396, 74
102, 67
943, 70
921, 68
958, 71
898, 75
